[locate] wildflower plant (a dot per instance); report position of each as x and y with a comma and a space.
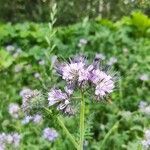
80, 78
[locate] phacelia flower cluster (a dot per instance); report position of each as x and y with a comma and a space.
12, 139
146, 141
50, 134
31, 99
62, 99
79, 74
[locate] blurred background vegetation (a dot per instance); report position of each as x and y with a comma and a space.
69, 11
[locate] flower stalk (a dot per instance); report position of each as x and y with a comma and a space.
71, 138
82, 130
69, 135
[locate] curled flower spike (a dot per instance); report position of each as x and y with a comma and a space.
104, 83
56, 96
31, 99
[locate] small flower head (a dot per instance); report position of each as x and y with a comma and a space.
50, 134
75, 71
62, 99
26, 120
31, 99
142, 104
14, 110
16, 139
37, 118
144, 77
71, 71
12, 139
104, 83
56, 96
2, 138
144, 108
146, 141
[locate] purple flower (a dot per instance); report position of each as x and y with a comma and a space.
79, 73
50, 134
27, 119
9, 139
142, 104
14, 110
2, 146
71, 71
56, 96
104, 83
25, 93
37, 118
2, 138
146, 141
75, 70
16, 139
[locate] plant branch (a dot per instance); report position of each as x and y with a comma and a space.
71, 138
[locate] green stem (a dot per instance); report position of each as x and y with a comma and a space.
67, 132
71, 138
114, 127
82, 109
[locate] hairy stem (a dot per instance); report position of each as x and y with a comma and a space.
69, 135
82, 130
114, 127
67, 132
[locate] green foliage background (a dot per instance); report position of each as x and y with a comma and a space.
69, 11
